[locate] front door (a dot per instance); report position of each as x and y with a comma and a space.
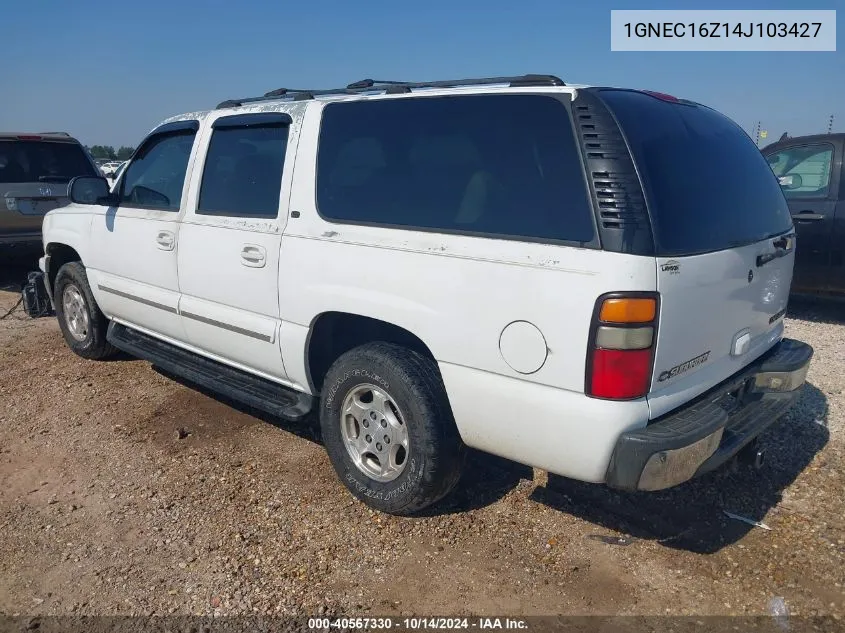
806, 174
132, 266
230, 241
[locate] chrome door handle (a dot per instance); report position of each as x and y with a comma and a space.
807, 216
165, 240
253, 256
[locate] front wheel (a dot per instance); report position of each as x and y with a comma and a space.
388, 428
82, 323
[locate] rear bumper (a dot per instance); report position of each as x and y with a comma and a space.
706, 433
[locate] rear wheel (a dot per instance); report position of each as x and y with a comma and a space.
82, 323
388, 428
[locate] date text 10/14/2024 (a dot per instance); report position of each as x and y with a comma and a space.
416, 624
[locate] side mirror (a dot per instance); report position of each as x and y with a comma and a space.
790, 182
90, 190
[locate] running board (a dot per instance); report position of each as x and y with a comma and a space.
238, 385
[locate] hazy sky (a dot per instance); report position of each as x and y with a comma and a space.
109, 71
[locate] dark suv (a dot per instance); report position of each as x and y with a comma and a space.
810, 171
34, 173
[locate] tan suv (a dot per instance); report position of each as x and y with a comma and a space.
35, 170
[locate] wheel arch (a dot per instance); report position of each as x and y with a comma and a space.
57, 255
333, 333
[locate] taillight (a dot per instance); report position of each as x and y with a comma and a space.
621, 346
29, 137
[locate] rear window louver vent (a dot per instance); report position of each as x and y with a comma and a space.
616, 206
615, 187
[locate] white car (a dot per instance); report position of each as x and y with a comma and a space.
113, 173
589, 281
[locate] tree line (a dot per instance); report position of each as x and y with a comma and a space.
107, 151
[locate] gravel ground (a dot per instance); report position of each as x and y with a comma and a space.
123, 491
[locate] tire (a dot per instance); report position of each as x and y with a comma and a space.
82, 323
416, 402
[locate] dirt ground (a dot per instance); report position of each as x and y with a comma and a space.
123, 491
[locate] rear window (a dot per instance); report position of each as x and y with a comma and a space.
491, 165
707, 184
42, 161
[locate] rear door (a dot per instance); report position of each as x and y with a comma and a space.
230, 241
809, 177
34, 174
724, 241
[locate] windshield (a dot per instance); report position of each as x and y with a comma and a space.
707, 184
42, 161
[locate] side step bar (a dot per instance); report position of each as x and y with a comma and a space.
238, 385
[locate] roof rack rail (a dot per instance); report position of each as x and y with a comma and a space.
369, 83
56, 133
394, 87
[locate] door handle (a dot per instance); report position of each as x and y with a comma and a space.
253, 256
165, 240
783, 247
807, 216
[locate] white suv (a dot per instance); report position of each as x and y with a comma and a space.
590, 281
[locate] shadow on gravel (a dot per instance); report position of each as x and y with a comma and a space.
308, 428
485, 480
817, 309
690, 516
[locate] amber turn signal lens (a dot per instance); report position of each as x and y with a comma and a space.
630, 310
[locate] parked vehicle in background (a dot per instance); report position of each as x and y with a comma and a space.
811, 172
110, 168
113, 174
35, 170
545, 272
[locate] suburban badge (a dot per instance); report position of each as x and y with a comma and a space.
685, 366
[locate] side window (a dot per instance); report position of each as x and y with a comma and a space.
491, 165
243, 169
156, 176
803, 171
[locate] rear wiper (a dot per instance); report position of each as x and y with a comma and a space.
53, 179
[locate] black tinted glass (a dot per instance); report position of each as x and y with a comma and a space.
708, 186
156, 176
491, 165
42, 161
243, 171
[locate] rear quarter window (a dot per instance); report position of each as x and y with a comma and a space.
487, 165
707, 185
